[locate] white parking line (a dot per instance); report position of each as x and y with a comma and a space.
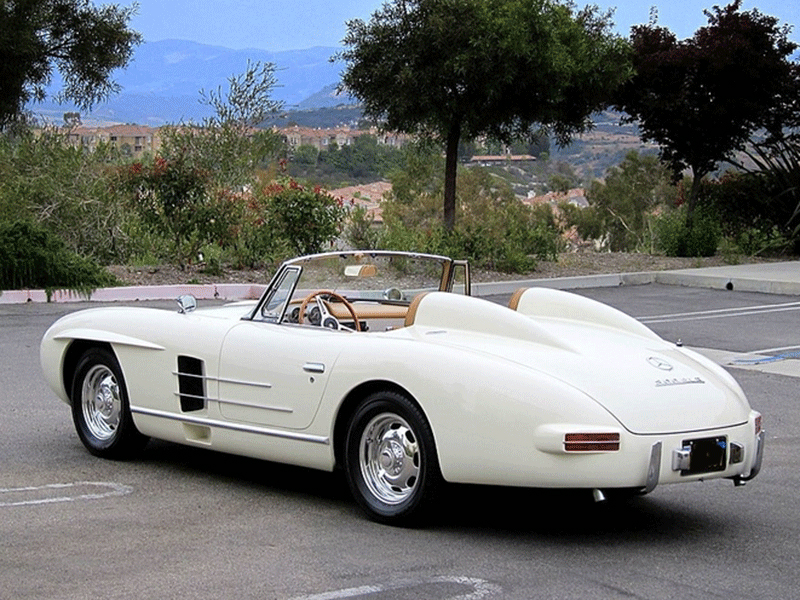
61, 492
480, 588
742, 311
781, 349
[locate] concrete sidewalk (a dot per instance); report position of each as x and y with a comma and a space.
770, 278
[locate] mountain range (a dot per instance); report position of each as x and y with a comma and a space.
162, 82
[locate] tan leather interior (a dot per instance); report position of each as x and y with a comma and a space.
412, 309
513, 304
368, 311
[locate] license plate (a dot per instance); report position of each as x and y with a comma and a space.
706, 455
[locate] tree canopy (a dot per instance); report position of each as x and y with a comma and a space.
453, 69
85, 43
702, 98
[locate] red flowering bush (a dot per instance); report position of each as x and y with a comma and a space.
172, 198
307, 218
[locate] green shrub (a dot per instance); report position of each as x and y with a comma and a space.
755, 211
360, 231
307, 218
676, 238
73, 191
172, 198
493, 228
251, 240
622, 206
33, 258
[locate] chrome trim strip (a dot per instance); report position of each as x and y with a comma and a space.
300, 437
182, 374
185, 395
654, 468
759, 457
224, 380
281, 409
242, 382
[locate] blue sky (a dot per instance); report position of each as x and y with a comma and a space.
274, 25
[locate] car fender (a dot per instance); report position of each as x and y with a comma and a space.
469, 398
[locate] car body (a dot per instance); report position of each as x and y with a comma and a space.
383, 364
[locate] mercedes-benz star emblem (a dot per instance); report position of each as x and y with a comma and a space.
659, 363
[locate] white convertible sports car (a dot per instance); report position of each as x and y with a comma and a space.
382, 364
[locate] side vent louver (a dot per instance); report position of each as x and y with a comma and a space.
191, 384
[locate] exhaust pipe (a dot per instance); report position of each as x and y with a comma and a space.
598, 495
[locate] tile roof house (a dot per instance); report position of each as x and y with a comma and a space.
369, 196
134, 140
322, 139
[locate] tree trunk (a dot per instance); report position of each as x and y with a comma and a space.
694, 191
450, 170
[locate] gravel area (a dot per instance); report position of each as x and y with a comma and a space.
568, 265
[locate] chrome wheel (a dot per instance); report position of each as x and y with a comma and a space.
389, 458
100, 402
100, 407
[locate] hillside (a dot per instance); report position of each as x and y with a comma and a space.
163, 81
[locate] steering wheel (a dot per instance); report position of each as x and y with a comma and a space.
326, 317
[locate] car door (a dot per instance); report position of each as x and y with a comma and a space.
275, 374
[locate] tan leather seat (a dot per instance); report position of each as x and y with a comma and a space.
412, 309
513, 304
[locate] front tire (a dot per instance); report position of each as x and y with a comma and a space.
390, 459
100, 408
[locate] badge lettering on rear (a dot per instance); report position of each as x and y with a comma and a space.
678, 381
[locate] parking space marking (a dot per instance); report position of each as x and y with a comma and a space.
773, 350
478, 589
786, 365
61, 492
742, 311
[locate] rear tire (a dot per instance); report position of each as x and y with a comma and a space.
100, 408
390, 460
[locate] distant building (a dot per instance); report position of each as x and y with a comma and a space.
576, 197
369, 196
323, 139
489, 160
131, 140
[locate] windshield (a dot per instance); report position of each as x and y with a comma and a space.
377, 277
396, 277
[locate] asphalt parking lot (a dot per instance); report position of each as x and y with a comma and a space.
182, 522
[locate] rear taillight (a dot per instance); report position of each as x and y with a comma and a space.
591, 442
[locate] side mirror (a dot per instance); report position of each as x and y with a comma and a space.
186, 303
393, 294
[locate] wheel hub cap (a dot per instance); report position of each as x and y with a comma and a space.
390, 459
101, 403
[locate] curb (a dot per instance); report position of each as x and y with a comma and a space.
248, 291
226, 291
727, 282
564, 283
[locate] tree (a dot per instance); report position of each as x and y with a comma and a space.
229, 146
454, 69
85, 43
205, 173
248, 101
625, 203
702, 98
